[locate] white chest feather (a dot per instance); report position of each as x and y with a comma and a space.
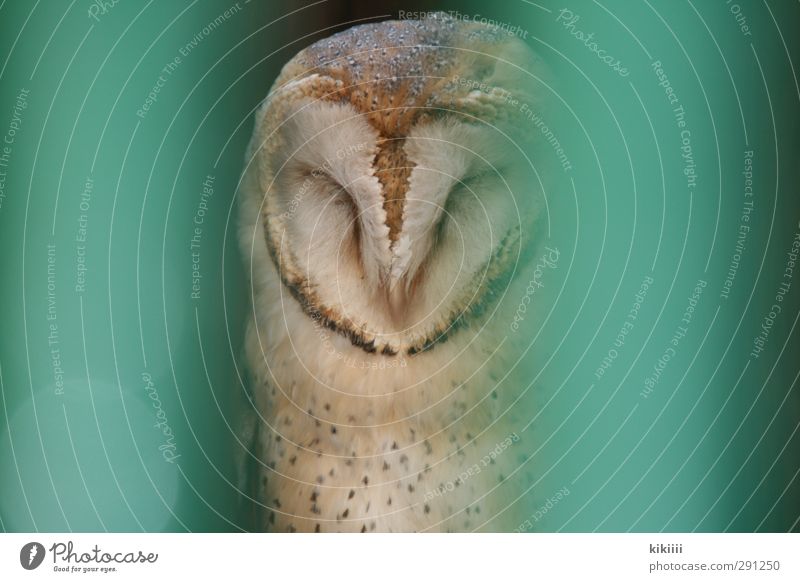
352, 441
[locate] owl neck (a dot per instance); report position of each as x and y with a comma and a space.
322, 385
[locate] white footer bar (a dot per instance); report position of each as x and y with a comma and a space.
460, 557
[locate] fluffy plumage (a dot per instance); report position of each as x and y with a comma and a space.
385, 209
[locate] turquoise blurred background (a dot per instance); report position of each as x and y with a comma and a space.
669, 346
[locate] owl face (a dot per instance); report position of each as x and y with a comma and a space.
396, 196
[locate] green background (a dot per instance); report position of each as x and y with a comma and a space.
713, 447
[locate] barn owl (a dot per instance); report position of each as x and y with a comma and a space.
388, 205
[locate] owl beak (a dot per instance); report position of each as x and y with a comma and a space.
401, 258
397, 296
394, 289
396, 274
397, 299
392, 282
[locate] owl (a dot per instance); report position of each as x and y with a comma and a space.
388, 209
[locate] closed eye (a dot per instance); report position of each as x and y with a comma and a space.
485, 174
470, 190
321, 181
313, 187
329, 187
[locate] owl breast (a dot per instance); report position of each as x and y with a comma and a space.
357, 442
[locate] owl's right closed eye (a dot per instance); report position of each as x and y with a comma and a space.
389, 202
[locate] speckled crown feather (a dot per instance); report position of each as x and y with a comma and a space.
398, 69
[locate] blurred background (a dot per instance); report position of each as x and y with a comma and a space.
670, 343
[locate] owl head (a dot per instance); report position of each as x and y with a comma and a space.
392, 168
